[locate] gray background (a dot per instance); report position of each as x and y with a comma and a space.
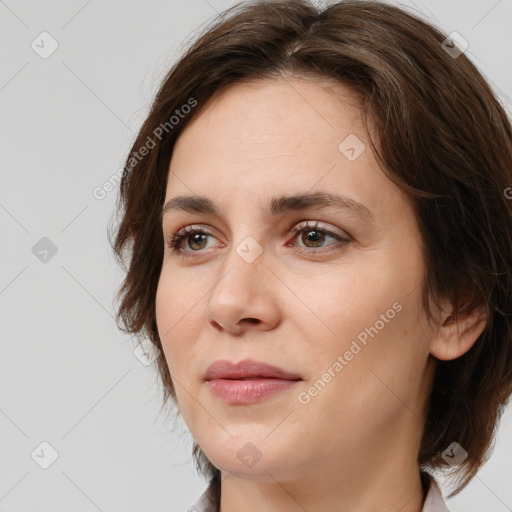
67, 376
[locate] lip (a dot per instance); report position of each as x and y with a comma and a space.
246, 369
248, 381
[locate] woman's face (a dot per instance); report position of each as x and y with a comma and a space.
338, 305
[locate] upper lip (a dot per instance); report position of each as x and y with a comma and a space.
225, 369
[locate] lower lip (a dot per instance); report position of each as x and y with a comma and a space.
248, 391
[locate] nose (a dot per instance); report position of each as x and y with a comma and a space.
245, 297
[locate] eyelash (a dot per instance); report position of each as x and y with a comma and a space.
175, 239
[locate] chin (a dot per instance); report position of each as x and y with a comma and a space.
252, 455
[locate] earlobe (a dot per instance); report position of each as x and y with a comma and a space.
455, 337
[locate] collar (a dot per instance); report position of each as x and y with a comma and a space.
434, 502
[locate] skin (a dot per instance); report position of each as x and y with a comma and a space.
352, 447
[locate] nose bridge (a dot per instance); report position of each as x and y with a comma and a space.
245, 266
244, 256
247, 233
242, 291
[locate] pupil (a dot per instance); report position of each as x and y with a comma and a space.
316, 238
195, 238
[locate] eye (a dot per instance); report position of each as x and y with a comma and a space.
313, 237
198, 239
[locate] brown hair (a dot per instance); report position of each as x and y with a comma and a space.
442, 136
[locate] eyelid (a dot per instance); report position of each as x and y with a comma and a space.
308, 224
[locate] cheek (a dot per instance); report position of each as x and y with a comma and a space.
175, 313
368, 310
165, 310
178, 315
343, 301
177, 302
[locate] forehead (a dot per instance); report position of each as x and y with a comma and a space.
271, 113
275, 136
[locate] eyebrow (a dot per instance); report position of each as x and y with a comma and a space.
276, 205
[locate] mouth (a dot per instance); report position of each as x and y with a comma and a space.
247, 369
248, 381
257, 377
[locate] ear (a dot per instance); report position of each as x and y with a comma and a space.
454, 337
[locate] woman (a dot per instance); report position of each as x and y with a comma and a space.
320, 250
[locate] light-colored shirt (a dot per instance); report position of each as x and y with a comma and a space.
434, 501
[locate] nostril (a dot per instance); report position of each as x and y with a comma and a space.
217, 325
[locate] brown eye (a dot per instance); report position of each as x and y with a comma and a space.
314, 237
196, 239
